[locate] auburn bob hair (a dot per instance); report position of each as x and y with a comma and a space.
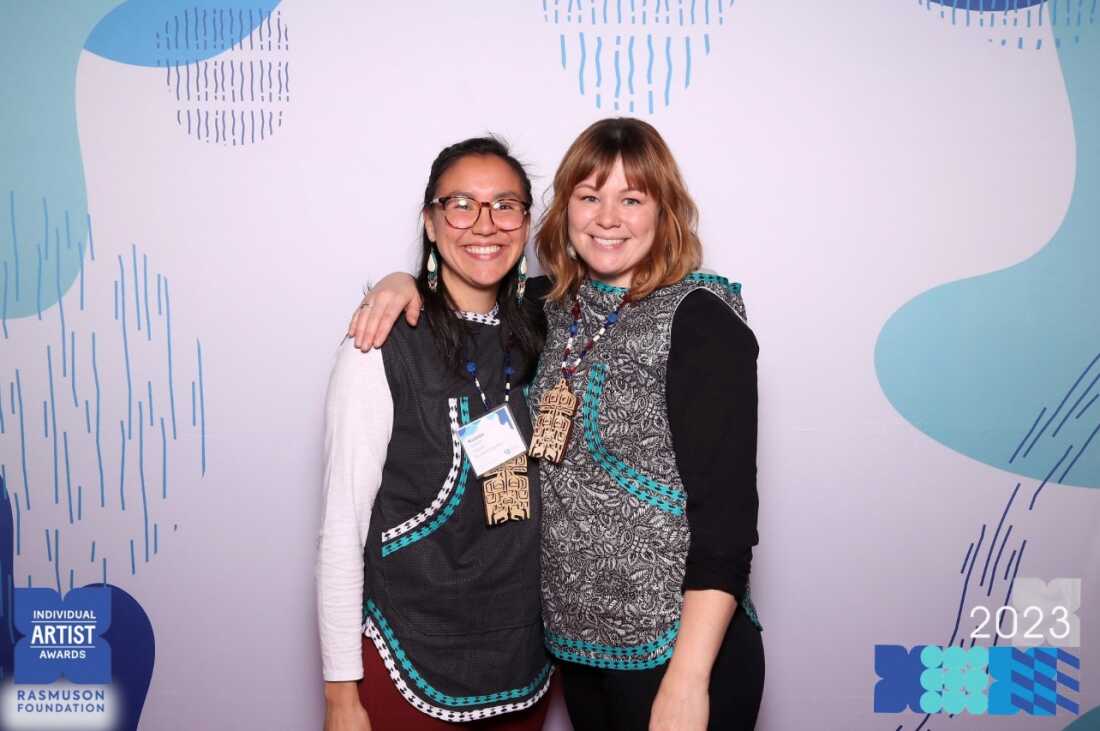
650, 168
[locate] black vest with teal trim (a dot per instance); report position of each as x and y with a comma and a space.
451, 604
615, 534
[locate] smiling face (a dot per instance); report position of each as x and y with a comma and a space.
474, 260
612, 226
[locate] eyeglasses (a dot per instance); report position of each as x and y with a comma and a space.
507, 214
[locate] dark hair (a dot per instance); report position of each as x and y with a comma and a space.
450, 333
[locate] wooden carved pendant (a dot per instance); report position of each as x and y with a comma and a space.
554, 423
507, 493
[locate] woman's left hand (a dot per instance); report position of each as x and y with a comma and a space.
680, 706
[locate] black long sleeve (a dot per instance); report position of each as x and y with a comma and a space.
537, 289
712, 400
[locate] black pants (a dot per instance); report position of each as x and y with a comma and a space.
620, 700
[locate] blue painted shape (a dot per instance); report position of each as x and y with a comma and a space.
129, 33
970, 363
42, 177
899, 688
988, 5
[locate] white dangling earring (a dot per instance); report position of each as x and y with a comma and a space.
521, 278
571, 252
433, 271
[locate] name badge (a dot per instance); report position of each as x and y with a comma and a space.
491, 440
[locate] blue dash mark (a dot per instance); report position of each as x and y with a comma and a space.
997, 561
53, 425
126, 350
668, 75
1035, 495
80, 253
49, 546
57, 557
202, 410
562, 39
706, 43
72, 367
1026, 436
4, 306
687, 69
163, 461
599, 70
618, 73
145, 285
93, 552
18, 528
1079, 453
38, 288
133, 563
14, 242
168, 326
91, 239
80, 502
1075, 405
137, 288
156, 539
98, 444
22, 439
141, 479
160, 299
149, 384
1086, 407
105, 571
68, 477
584, 58
60, 304
122, 467
630, 66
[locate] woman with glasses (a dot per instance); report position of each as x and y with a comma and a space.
427, 571
646, 430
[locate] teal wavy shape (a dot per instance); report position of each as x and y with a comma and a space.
1004, 367
45, 230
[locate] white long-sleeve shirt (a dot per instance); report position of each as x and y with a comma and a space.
358, 425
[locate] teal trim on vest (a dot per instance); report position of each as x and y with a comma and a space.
665, 644
704, 278
648, 648
371, 610
638, 484
607, 288
452, 504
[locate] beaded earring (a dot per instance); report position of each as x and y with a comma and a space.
433, 271
521, 278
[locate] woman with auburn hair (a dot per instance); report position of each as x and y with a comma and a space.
646, 437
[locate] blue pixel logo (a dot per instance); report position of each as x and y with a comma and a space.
62, 636
1036, 672
998, 681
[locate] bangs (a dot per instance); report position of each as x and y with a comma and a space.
640, 165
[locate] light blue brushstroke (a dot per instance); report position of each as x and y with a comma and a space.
40, 45
971, 363
128, 34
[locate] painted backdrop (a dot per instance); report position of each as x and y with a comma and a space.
192, 195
